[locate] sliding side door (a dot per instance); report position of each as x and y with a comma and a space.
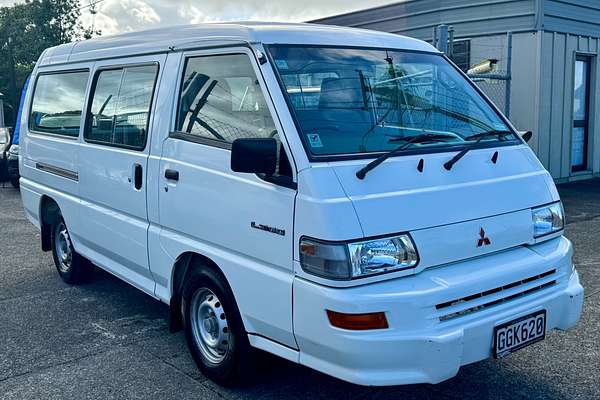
114, 158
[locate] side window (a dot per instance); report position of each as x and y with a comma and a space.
121, 106
221, 99
58, 103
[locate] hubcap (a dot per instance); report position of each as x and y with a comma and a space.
209, 325
64, 249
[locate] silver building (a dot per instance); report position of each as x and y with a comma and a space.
553, 78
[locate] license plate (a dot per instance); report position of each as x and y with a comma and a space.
521, 332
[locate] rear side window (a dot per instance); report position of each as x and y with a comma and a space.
221, 99
121, 106
58, 103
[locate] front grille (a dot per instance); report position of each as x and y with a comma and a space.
501, 294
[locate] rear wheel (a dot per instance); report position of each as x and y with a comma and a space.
71, 267
214, 329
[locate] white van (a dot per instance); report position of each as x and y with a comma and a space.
345, 199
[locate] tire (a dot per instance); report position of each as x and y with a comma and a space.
214, 330
15, 182
72, 267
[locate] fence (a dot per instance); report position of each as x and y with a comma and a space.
495, 81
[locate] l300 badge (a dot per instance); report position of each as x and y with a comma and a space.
267, 228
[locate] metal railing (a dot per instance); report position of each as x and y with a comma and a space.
495, 84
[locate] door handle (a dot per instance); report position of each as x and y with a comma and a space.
172, 175
138, 175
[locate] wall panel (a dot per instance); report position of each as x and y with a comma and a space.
418, 17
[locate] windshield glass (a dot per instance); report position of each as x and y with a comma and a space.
356, 100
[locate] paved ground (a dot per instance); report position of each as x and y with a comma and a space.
106, 340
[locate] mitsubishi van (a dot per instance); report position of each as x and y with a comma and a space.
345, 199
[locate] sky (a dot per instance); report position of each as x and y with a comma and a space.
115, 16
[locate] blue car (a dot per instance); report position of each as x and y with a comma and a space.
13, 151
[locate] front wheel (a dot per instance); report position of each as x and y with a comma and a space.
214, 330
71, 266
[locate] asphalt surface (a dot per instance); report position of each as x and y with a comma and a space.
106, 340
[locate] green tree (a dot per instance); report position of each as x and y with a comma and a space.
26, 30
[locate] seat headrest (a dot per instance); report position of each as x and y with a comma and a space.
342, 93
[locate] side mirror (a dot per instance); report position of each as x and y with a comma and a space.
255, 156
526, 136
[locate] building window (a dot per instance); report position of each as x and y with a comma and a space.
581, 103
58, 103
461, 54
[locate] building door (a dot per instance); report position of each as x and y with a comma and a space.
581, 102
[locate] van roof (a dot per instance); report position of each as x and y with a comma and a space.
215, 34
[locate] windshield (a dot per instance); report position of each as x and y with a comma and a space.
356, 100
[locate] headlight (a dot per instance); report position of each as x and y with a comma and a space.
382, 255
547, 219
4, 135
344, 261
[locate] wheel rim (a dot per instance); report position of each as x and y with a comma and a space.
64, 249
210, 326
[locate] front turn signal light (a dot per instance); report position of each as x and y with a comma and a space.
358, 322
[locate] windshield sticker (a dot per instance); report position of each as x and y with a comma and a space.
281, 64
315, 140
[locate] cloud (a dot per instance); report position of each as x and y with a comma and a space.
101, 21
114, 16
194, 15
143, 12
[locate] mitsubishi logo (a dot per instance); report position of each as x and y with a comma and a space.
483, 240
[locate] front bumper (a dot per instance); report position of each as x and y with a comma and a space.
429, 340
13, 167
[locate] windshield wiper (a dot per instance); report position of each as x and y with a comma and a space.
478, 137
424, 138
404, 138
